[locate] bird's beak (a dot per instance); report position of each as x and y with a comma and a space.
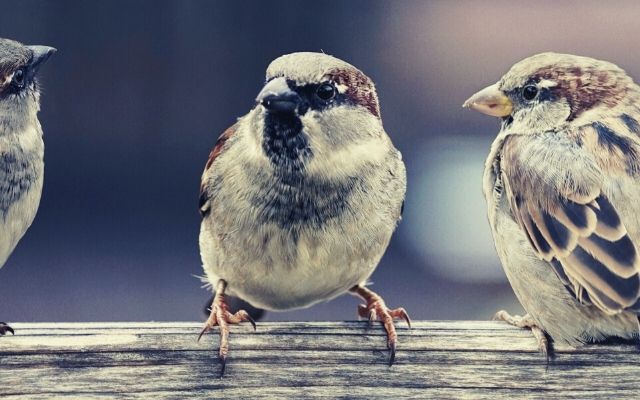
491, 101
40, 55
277, 97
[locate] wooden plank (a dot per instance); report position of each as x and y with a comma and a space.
443, 359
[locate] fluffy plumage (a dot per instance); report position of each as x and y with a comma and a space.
562, 189
300, 197
21, 146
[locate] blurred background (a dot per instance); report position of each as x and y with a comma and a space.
139, 91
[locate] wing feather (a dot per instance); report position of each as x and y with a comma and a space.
579, 233
609, 224
218, 148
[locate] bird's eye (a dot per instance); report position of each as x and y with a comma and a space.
529, 92
18, 77
326, 91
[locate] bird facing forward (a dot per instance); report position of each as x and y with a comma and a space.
300, 197
562, 184
21, 146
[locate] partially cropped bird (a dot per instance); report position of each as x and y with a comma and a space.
562, 184
300, 197
21, 146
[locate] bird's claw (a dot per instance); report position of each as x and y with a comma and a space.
376, 310
220, 316
240, 316
526, 322
4, 328
392, 352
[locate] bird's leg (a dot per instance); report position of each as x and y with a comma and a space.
376, 310
220, 316
4, 328
527, 322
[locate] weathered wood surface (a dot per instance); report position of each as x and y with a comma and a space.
446, 359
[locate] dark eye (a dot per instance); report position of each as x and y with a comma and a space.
326, 91
529, 92
18, 77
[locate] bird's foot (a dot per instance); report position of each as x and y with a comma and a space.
4, 328
376, 310
544, 344
220, 316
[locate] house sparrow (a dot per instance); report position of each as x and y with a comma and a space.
299, 197
21, 146
562, 183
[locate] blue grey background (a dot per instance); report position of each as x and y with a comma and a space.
139, 91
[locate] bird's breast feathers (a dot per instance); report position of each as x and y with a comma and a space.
21, 178
286, 240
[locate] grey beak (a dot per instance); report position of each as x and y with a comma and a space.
283, 103
277, 97
40, 55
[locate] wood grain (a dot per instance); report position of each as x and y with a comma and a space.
436, 359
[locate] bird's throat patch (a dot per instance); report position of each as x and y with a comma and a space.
285, 142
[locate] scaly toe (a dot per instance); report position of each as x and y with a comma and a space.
208, 325
401, 313
527, 322
222, 318
376, 310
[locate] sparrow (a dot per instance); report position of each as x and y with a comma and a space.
300, 197
562, 185
21, 145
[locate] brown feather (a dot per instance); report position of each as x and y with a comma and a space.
579, 232
577, 86
218, 148
620, 259
360, 89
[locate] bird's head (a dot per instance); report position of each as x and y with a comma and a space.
314, 105
19, 94
548, 90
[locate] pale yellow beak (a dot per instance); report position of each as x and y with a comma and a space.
490, 101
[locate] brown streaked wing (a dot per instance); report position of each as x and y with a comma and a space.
583, 239
215, 152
